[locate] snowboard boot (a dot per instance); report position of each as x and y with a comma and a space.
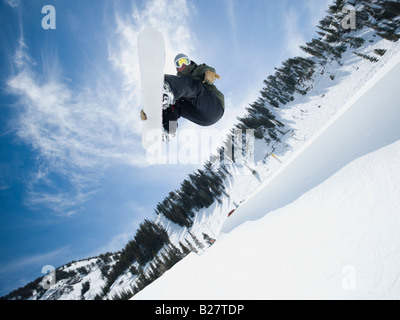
170, 119
168, 96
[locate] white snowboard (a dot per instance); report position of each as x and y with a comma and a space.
151, 48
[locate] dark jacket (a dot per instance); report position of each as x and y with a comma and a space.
197, 72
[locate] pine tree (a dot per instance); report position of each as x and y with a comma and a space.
184, 249
196, 241
192, 249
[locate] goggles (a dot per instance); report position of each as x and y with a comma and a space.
181, 62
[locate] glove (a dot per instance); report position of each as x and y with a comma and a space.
143, 116
210, 77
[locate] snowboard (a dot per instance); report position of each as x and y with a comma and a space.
151, 49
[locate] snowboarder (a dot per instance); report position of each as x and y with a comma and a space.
191, 94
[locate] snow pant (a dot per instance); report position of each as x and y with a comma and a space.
198, 104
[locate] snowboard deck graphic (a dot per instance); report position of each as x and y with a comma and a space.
151, 49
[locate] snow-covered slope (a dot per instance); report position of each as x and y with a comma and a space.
340, 240
323, 225
369, 120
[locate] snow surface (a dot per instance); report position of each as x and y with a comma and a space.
340, 240
368, 121
325, 223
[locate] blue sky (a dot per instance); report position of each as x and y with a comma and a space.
74, 181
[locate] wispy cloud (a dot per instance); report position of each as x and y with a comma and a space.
230, 11
32, 263
115, 244
13, 3
171, 17
294, 37
40, 259
77, 134
295, 22
21, 57
80, 132
317, 10
21, 271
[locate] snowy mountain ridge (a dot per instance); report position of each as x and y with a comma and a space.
334, 88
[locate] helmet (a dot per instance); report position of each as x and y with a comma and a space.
180, 60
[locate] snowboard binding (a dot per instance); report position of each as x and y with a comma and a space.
170, 121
